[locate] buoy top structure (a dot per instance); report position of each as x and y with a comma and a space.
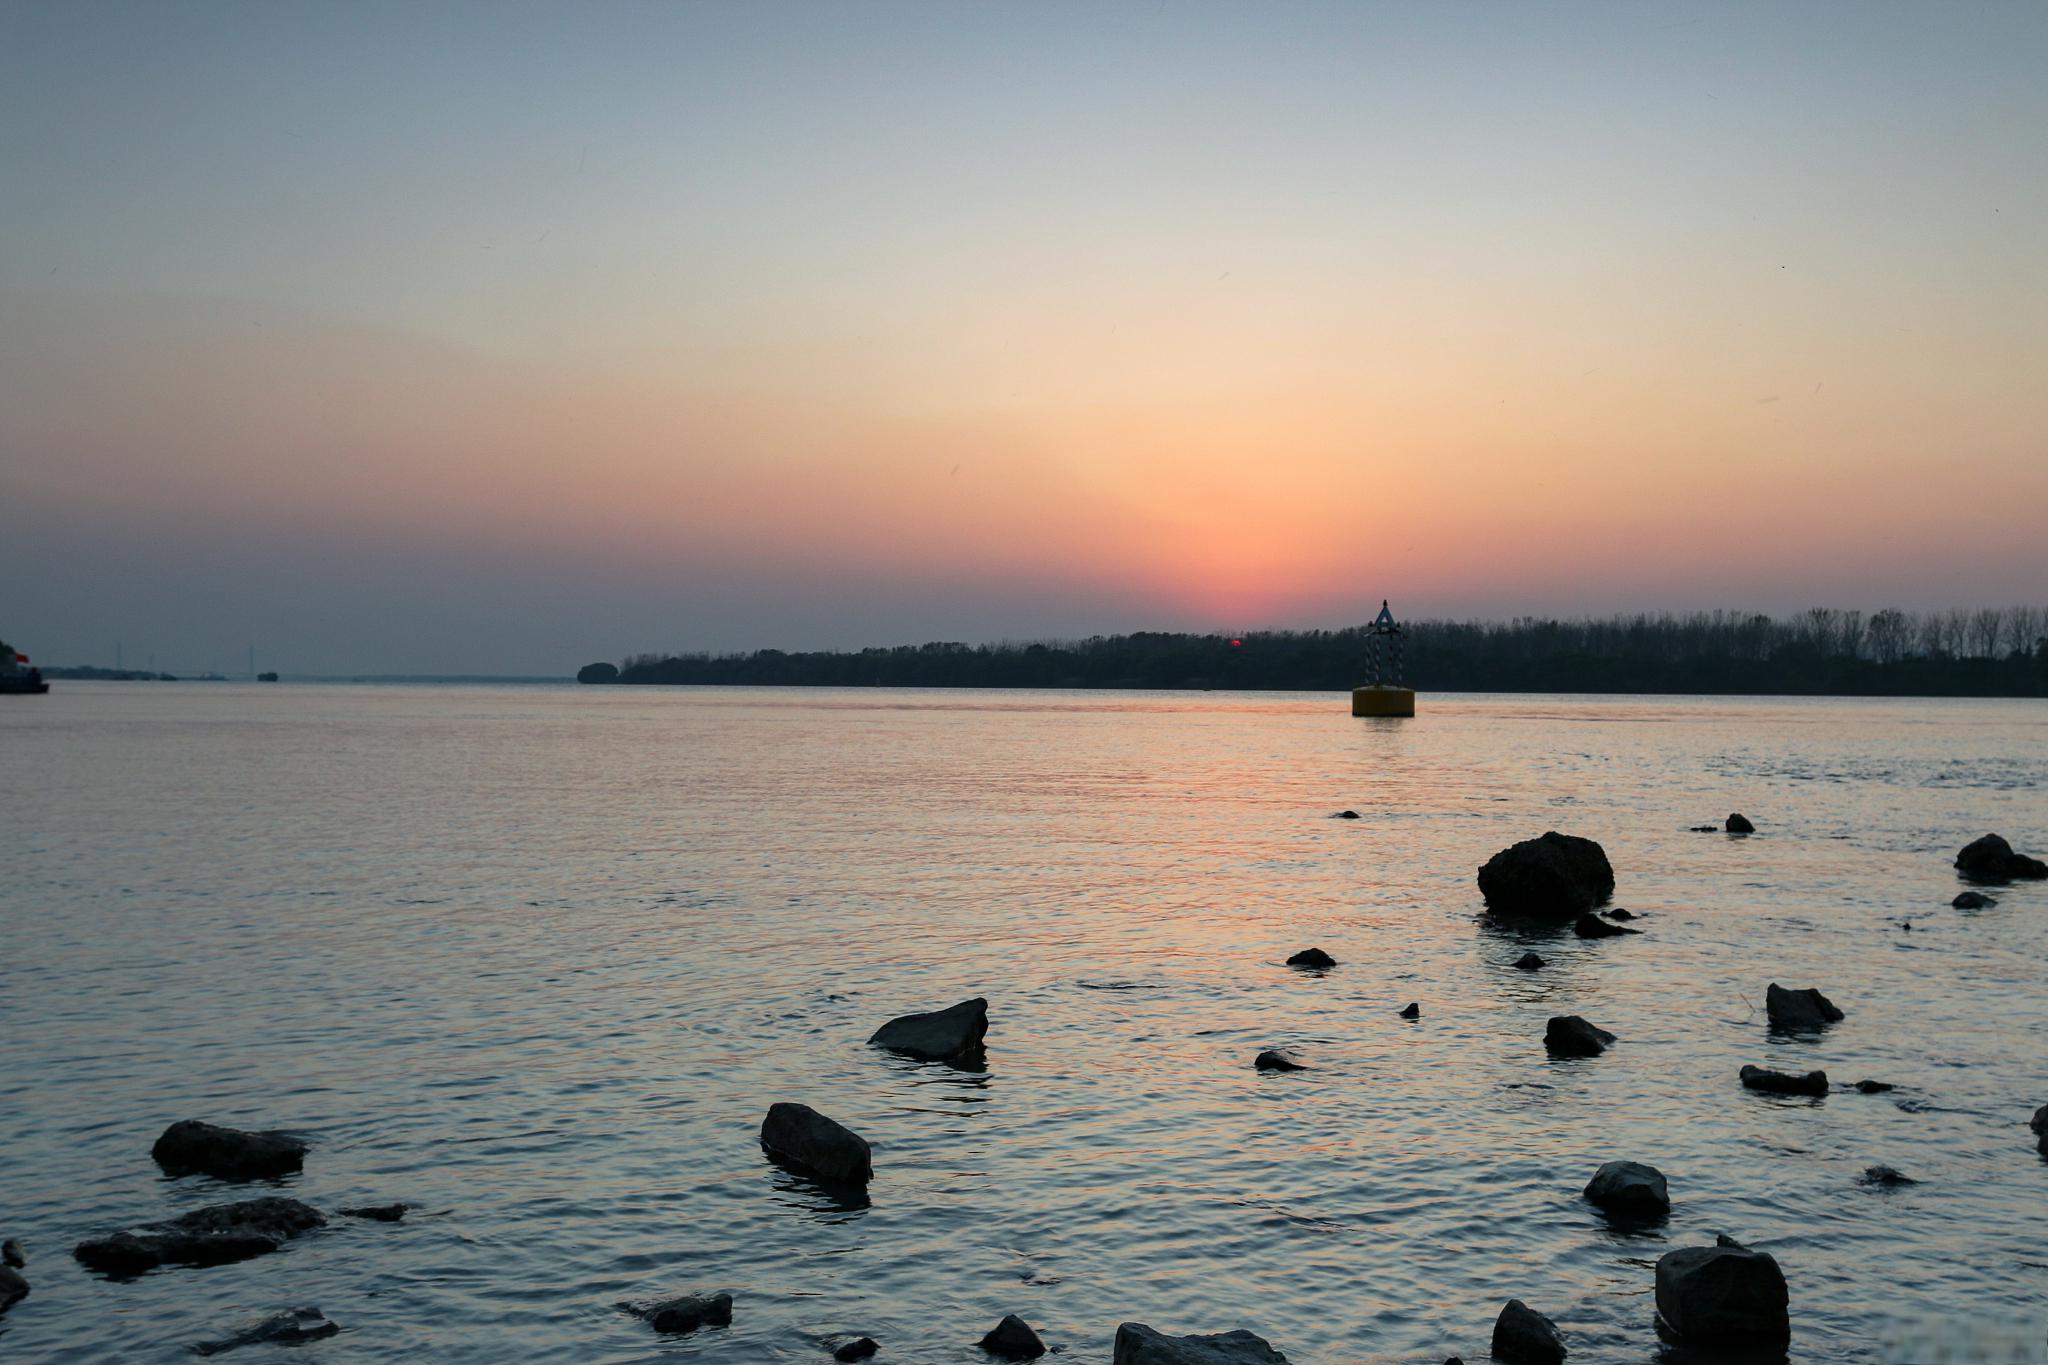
1384, 695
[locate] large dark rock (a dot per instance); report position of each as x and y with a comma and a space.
684, 1312
1556, 876
1630, 1190
1723, 1293
289, 1328
12, 1254
598, 673
1567, 1035
1278, 1059
1739, 824
1974, 900
2039, 1125
802, 1137
1991, 859
210, 1236
1523, 1336
1799, 1011
1885, 1177
1592, 926
228, 1153
1784, 1083
1314, 958
941, 1036
1137, 1344
1013, 1339
13, 1287
860, 1348
1529, 962
1412, 1010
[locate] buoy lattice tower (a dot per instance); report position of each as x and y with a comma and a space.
1385, 694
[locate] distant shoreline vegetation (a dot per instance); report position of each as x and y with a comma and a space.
1990, 652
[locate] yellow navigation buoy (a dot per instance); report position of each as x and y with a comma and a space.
1384, 695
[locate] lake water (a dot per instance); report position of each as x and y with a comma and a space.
538, 959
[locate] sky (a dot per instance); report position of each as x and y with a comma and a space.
500, 338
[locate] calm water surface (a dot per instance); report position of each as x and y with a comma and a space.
538, 959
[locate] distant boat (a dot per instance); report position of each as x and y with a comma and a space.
18, 678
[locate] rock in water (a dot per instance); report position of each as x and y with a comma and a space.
1567, 1035
1137, 1344
1413, 1011
685, 1312
1874, 1087
1347, 815
859, 1349
1592, 926
376, 1213
1724, 1293
1991, 859
1738, 824
13, 1287
279, 1329
2039, 1126
1312, 957
1523, 1336
1799, 1010
1278, 1059
941, 1036
1013, 1339
805, 1138
213, 1235
1529, 962
1783, 1083
12, 1254
227, 1153
1973, 900
1557, 876
1617, 913
1885, 1176
1630, 1189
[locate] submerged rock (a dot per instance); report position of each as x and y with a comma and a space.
1973, 900
12, 1254
1723, 1293
1347, 815
2039, 1126
858, 1349
1557, 876
1884, 1176
1523, 1336
1784, 1083
1567, 1035
1592, 926
1704, 829
1137, 1344
1630, 1189
1991, 859
1013, 1339
802, 1137
1739, 824
214, 1235
1312, 957
1874, 1087
1807, 1009
1412, 1011
685, 1312
13, 1287
227, 1153
279, 1329
376, 1213
940, 1036
1617, 913
1529, 962
1278, 1059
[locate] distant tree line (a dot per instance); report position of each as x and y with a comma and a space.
1991, 652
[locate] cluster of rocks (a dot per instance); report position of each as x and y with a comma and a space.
1991, 859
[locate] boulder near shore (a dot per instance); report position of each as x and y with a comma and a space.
941, 1036
1278, 1059
214, 1235
1739, 824
1783, 1082
1567, 1035
802, 1137
1991, 859
1799, 1010
1630, 1189
1137, 1344
13, 1287
1312, 958
1558, 876
1012, 1339
1523, 1336
685, 1312
227, 1153
1724, 1293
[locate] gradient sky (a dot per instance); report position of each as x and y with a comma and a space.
498, 338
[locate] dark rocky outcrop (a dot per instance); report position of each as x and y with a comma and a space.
1567, 1035
13, 1287
1137, 1344
1314, 958
12, 1254
376, 1213
1799, 1011
1617, 913
598, 673
800, 1136
1723, 1293
1739, 824
1347, 815
288, 1328
1874, 1087
1630, 1189
940, 1036
1991, 859
1886, 1177
1523, 1336
1556, 876
1279, 1059
1013, 1339
214, 1235
858, 1349
227, 1153
1592, 926
1412, 1010
1974, 900
684, 1312
2039, 1126
1784, 1083
1529, 962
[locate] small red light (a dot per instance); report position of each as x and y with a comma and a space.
1235, 643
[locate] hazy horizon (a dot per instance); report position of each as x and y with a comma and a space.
471, 339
